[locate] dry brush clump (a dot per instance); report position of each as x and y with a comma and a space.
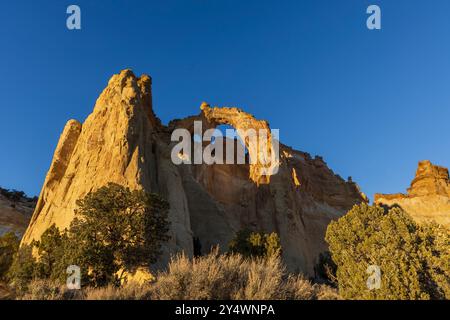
211, 277
129, 291
231, 276
53, 290
44, 289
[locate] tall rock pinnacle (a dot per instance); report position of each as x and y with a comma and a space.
114, 144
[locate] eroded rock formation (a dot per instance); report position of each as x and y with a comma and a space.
428, 197
117, 143
122, 141
256, 135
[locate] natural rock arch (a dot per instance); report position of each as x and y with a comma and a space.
263, 150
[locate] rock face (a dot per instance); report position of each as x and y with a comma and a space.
428, 198
117, 143
122, 141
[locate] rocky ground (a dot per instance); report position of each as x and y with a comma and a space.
15, 211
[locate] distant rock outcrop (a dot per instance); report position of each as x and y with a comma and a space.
15, 211
428, 198
122, 141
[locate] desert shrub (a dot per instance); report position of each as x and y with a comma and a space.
46, 259
114, 229
117, 229
43, 289
51, 250
129, 291
255, 244
14, 195
212, 276
298, 288
9, 244
46, 289
231, 276
325, 292
219, 276
5, 292
435, 254
263, 279
23, 269
414, 260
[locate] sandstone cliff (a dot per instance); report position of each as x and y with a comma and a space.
123, 141
428, 198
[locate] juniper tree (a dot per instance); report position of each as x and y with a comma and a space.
413, 259
255, 244
117, 229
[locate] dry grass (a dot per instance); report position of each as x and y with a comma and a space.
131, 291
5, 292
231, 277
211, 277
49, 290
324, 292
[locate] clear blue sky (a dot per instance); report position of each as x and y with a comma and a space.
372, 103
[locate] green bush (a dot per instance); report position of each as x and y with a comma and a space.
23, 269
14, 195
44, 289
255, 244
52, 250
9, 244
115, 229
413, 260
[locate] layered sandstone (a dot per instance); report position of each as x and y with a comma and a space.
122, 141
428, 197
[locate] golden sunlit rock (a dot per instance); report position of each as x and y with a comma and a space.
122, 141
428, 198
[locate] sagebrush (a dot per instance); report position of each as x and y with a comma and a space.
214, 276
